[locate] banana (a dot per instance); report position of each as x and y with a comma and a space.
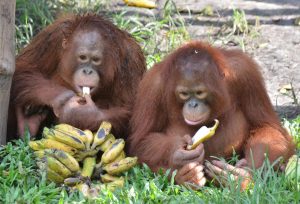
39, 154
203, 134
88, 166
72, 181
63, 137
115, 184
36, 145
83, 188
101, 134
69, 129
141, 3
90, 138
65, 158
110, 139
112, 153
53, 176
53, 144
79, 156
121, 156
115, 168
106, 178
58, 167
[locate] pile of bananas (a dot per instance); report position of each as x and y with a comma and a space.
74, 157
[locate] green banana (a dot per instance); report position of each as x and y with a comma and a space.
65, 158
63, 137
118, 167
69, 129
112, 153
58, 167
53, 176
101, 134
90, 138
110, 139
88, 166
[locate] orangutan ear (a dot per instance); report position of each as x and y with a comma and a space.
64, 43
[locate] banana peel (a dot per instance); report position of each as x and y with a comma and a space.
203, 134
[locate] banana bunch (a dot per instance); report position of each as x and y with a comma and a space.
74, 157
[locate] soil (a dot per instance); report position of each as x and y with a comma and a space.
273, 41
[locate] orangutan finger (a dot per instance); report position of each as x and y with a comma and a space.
227, 167
186, 168
241, 163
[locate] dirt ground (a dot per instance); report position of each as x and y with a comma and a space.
275, 46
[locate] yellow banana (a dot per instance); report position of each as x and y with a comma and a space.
90, 138
36, 145
83, 188
53, 144
141, 3
63, 137
112, 153
65, 158
115, 184
79, 156
115, 168
53, 176
39, 154
203, 134
72, 181
58, 167
101, 134
106, 178
110, 139
121, 156
69, 129
88, 166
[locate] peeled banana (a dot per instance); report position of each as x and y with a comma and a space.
203, 134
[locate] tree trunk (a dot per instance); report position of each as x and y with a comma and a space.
7, 59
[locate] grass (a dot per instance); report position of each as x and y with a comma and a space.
22, 182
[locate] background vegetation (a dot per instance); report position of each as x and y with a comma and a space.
20, 180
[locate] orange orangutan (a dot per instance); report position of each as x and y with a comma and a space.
76, 51
190, 88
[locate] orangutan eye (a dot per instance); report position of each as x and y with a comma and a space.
201, 94
184, 95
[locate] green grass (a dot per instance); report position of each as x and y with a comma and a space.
22, 182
